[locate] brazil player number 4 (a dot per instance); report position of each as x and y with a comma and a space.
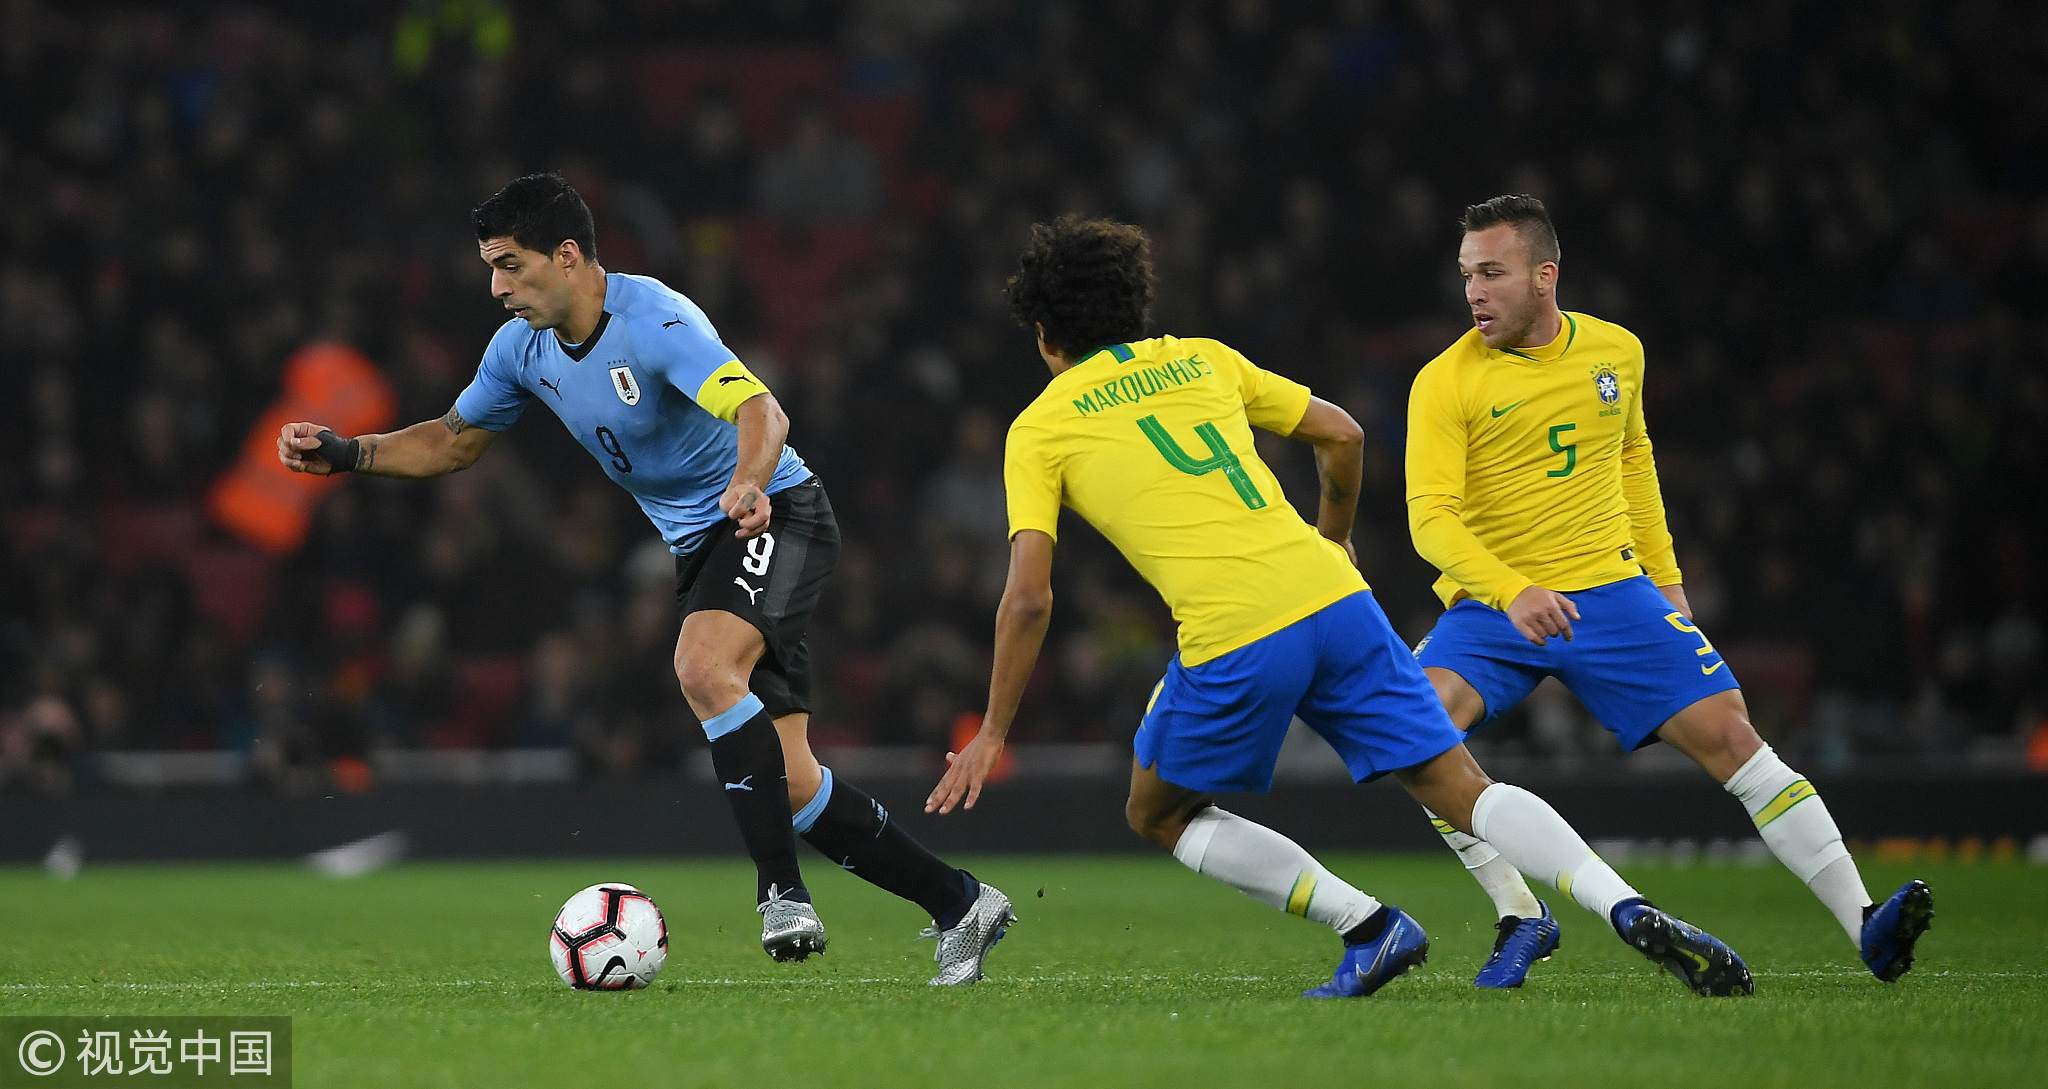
1221, 456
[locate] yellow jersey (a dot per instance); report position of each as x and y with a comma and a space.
1151, 443
1533, 466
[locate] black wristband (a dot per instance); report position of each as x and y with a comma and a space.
339, 453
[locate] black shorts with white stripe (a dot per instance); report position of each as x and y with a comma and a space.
773, 582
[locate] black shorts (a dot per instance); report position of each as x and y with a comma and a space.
772, 582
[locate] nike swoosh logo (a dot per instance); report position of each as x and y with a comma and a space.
1386, 943
1697, 959
1499, 412
1708, 671
734, 378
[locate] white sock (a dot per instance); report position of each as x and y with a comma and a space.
1502, 883
1542, 845
1798, 828
1270, 868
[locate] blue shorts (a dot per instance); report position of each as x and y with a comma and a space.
1632, 659
1219, 725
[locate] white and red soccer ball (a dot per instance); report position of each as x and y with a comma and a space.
609, 937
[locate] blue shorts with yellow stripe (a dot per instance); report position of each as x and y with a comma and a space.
1633, 660
1218, 726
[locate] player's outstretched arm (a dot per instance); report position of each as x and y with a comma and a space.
428, 448
1340, 467
1021, 621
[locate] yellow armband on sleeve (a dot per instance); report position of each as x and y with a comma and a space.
727, 388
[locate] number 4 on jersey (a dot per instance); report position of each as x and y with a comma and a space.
1220, 457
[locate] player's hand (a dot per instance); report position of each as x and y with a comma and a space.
969, 769
1539, 614
1675, 594
299, 450
748, 505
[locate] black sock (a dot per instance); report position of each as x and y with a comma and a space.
1370, 929
852, 829
748, 760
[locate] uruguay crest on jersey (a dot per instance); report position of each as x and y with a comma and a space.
624, 384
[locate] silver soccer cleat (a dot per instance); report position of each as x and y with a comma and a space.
790, 929
963, 949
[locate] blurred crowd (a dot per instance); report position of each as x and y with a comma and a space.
1826, 221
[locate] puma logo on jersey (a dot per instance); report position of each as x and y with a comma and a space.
751, 592
745, 784
678, 321
552, 386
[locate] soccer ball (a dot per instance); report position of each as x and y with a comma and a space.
608, 937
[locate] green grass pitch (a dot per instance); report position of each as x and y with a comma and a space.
1126, 971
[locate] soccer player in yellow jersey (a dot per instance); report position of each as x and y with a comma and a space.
1531, 486
1150, 441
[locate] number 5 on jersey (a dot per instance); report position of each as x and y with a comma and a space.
1220, 457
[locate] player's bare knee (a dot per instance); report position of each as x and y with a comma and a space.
709, 683
1460, 700
804, 783
1163, 824
1448, 785
1733, 741
1162, 827
1716, 733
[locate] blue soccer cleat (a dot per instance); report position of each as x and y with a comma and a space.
1891, 928
1520, 944
1701, 961
1370, 965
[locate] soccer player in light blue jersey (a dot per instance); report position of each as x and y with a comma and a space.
640, 377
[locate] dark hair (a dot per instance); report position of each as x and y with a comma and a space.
538, 211
1087, 281
1524, 213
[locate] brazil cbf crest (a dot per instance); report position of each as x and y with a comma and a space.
1608, 384
625, 385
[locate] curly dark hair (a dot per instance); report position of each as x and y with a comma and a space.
1089, 282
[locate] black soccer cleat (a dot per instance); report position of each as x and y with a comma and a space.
1701, 961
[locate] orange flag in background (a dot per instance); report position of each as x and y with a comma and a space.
259, 499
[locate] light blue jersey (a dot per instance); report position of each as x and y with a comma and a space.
652, 394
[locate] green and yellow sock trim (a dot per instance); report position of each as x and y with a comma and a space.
1303, 891
1783, 803
1442, 826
